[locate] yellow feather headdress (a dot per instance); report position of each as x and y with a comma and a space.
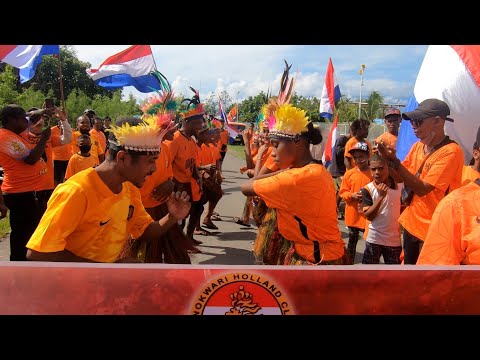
143, 138
284, 120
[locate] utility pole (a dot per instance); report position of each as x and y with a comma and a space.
238, 111
362, 69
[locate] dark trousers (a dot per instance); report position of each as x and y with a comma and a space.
411, 248
59, 170
353, 234
26, 210
373, 252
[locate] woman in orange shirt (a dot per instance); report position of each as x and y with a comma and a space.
292, 232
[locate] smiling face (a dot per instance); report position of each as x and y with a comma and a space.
135, 168
361, 158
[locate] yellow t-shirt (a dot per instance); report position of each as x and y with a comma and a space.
78, 163
86, 218
469, 175
453, 237
308, 194
96, 149
443, 169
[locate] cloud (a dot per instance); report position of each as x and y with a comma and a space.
245, 70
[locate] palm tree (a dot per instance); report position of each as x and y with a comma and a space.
373, 110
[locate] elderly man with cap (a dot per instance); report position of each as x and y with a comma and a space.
431, 169
392, 121
453, 237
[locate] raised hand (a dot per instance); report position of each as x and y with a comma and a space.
179, 204
386, 151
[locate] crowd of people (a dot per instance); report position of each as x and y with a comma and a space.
135, 190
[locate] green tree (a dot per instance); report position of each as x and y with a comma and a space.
74, 76
249, 108
373, 110
211, 103
311, 105
347, 112
8, 83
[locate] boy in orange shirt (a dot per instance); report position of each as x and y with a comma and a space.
83, 159
392, 121
350, 191
359, 130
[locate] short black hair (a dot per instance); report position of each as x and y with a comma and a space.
11, 111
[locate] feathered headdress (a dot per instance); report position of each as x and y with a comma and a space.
284, 120
163, 107
194, 106
158, 118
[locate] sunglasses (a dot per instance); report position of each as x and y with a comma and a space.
417, 123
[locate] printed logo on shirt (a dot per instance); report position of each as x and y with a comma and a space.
104, 222
241, 294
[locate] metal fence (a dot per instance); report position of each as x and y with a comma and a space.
374, 131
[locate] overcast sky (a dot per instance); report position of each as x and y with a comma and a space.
244, 70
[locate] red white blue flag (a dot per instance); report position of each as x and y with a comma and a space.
330, 93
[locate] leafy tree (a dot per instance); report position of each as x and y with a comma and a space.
8, 82
30, 98
347, 112
310, 104
211, 103
249, 108
374, 109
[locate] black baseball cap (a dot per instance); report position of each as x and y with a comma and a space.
429, 108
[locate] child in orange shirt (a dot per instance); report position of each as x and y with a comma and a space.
472, 171
83, 159
350, 191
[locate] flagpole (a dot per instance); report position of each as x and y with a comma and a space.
153, 57
361, 84
60, 77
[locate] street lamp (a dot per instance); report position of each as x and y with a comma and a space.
362, 69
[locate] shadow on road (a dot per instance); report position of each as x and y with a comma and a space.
231, 256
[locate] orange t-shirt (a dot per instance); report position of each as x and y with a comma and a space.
47, 182
215, 152
183, 153
224, 136
101, 138
287, 191
352, 182
96, 149
453, 237
204, 156
469, 175
443, 169
162, 174
78, 163
62, 152
86, 218
388, 139
350, 144
18, 176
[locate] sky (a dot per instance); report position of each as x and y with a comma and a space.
245, 70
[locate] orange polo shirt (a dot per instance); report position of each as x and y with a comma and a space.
62, 152
224, 136
352, 182
18, 176
443, 169
453, 237
183, 153
287, 192
469, 175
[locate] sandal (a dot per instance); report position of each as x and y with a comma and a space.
201, 232
210, 225
215, 218
240, 222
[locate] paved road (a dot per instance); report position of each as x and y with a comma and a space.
231, 243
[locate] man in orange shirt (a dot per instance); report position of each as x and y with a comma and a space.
98, 131
81, 160
183, 152
91, 216
25, 172
453, 237
442, 162
60, 155
83, 127
471, 172
392, 121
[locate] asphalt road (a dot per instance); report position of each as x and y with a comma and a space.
231, 244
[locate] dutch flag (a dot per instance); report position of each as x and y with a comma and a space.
330, 93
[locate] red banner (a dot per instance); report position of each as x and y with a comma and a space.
79, 289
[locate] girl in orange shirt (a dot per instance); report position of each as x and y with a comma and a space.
294, 232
